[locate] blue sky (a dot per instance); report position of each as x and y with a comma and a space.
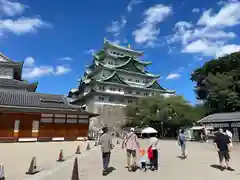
56, 38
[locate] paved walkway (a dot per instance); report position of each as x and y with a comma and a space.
195, 167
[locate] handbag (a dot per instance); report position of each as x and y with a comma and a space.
150, 153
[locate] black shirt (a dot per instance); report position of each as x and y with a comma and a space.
222, 141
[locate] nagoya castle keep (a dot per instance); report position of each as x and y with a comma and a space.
115, 79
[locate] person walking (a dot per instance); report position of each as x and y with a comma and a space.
153, 145
106, 146
132, 146
182, 143
223, 146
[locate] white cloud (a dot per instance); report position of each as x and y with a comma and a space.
37, 72
62, 70
201, 46
148, 29
195, 10
209, 36
22, 25
117, 26
29, 61
10, 8
132, 3
90, 51
228, 49
208, 48
32, 71
173, 76
66, 58
228, 16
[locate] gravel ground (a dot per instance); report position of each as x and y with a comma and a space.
16, 157
196, 166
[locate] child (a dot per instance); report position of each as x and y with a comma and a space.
143, 159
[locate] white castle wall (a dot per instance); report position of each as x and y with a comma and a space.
6, 72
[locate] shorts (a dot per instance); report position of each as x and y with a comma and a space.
131, 152
223, 155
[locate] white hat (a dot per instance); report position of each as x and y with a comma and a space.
132, 129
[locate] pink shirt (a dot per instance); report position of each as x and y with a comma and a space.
131, 141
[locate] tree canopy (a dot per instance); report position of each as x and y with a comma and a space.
218, 84
173, 110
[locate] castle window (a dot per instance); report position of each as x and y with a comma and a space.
129, 92
119, 89
145, 94
129, 79
137, 81
137, 92
112, 89
100, 98
153, 94
130, 101
101, 88
111, 99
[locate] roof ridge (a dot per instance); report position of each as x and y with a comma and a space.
5, 57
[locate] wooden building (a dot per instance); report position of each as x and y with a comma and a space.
29, 116
225, 121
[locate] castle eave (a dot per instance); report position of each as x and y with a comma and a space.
108, 44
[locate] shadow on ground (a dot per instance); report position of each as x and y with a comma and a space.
221, 168
216, 166
110, 170
182, 158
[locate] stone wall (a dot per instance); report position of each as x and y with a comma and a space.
112, 116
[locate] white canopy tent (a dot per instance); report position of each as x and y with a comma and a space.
149, 130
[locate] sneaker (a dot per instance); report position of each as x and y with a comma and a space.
222, 168
104, 172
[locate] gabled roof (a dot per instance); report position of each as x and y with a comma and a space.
145, 63
4, 60
128, 63
37, 102
114, 78
108, 44
155, 85
17, 66
221, 117
16, 84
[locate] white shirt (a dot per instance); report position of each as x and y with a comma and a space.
153, 142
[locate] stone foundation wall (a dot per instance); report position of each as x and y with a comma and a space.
112, 116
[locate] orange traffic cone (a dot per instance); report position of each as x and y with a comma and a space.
60, 157
88, 147
2, 176
75, 175
33, 167
78, 151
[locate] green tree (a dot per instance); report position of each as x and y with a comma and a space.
218, 84
174, 111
